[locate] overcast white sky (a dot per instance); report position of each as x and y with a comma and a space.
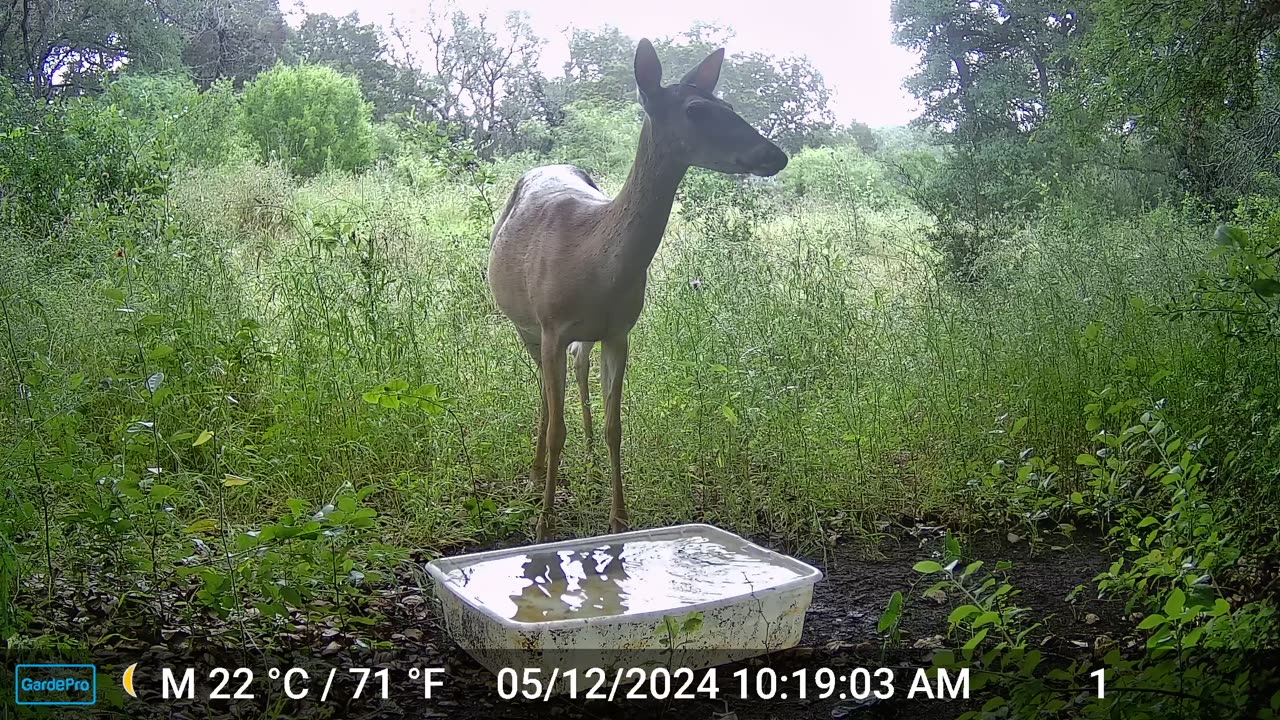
849, 41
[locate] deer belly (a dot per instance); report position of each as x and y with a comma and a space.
601, 318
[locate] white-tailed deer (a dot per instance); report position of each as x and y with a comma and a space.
568, 266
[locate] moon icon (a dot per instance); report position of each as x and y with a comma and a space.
128, 680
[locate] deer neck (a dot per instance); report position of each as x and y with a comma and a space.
639, 213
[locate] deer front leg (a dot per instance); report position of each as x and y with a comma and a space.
553, 379
613, 366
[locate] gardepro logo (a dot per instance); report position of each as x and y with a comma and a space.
55, 684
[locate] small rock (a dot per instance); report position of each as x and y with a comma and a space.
1090, 619
1013, 537
928, 643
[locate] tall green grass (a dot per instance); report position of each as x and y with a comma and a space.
805, 381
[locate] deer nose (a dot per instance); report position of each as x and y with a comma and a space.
768, 160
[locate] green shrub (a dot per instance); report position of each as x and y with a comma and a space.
201, 127
600, 140
311, 118
842, 174
58, 158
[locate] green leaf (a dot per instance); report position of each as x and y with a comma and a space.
160, 352
729, 415
1151, 621
234, 481
986, 618
890, 615
1029, 662
160, 492
1086, 459
1176, 603
692, 624
1148, 520
201, 526
1266, 287
951, 545
1192, 638
114, 293
927, 567
973, 641
204, 438
1018, 425
961, 613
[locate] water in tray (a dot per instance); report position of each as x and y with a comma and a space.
623, 578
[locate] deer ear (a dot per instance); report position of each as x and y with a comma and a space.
648, 69
707, 74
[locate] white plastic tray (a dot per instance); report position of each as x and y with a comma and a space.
734, 626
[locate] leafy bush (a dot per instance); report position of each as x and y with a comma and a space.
842, 174
310, 117
201, 127
721, 207
57, 159
600, 140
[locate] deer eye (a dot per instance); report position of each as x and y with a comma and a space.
701, 112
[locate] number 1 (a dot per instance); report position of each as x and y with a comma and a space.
1100, 673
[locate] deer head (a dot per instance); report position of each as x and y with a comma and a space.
694, 126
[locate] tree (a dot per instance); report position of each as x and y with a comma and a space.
310, 117
358, 49
600, 66
234, 39
987, 73
1200, 78
69, 46
863, 136
477, 79
987, 65
786, 98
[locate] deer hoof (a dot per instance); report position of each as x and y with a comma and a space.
544, 530
619, 524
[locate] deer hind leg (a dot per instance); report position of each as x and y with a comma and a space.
533, 344
613, 366
554, 357
582, 369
